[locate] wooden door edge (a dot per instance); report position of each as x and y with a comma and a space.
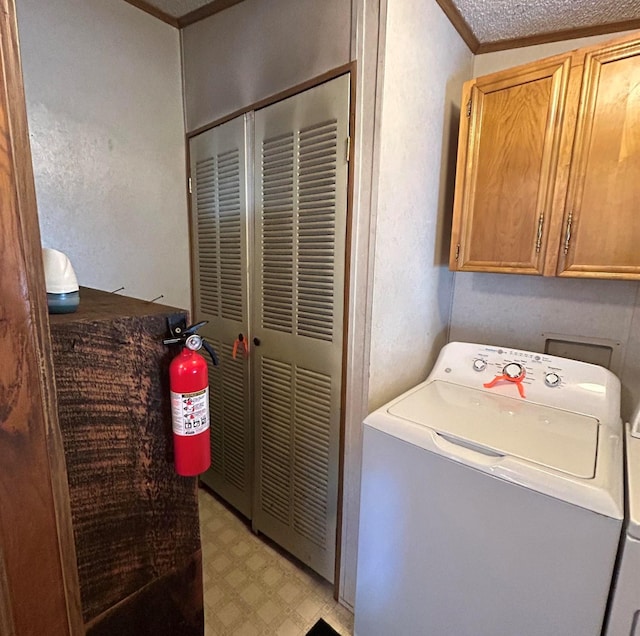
6, 618
464, 130
556, 221
581, 104
34, 273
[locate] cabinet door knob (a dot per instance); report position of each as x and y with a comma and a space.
256, 342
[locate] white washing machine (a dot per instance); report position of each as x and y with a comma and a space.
491, 510
624, 617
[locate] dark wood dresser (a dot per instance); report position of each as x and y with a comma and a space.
135, 521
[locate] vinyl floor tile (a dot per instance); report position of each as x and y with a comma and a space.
252, 589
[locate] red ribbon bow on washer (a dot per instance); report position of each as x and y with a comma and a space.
512, 372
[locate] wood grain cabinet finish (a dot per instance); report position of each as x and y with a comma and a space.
548, 175
508, 168
602, 213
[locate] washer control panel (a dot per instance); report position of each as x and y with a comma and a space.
527, 375
516, 365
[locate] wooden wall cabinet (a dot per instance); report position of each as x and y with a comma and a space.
548, 174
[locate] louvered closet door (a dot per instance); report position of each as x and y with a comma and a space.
298, 285
219, 247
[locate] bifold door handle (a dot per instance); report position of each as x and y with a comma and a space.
256, 342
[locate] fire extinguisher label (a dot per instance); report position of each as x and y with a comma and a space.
190, 412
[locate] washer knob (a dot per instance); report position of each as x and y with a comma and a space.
479, 364
552, 379
513, 371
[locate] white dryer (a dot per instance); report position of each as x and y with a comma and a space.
624, 617
491, 510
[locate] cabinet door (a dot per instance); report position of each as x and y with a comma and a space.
219, 247
298, 313
601, 233
507, 165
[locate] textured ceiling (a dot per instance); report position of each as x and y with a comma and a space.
493, 20
484, 24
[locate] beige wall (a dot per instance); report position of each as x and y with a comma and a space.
104, 102
407, 157
517, 310
256, 49
425, 64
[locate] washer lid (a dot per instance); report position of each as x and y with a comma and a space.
557, 439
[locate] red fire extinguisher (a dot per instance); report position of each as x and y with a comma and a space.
189, 384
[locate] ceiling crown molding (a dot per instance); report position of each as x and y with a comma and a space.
205, 11
154, 11
557, 36
467, 34
180, 22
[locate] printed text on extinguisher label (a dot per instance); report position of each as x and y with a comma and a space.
190, 412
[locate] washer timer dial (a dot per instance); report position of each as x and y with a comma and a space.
552, 379
513, 371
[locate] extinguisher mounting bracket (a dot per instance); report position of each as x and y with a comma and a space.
177, 327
